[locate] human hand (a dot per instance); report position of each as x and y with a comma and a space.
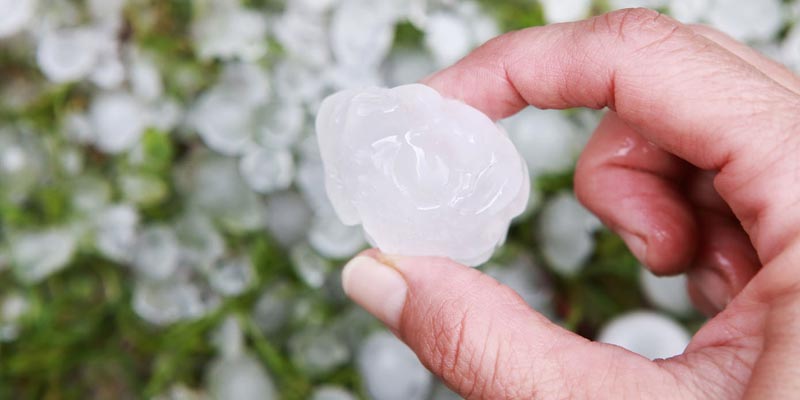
697, 167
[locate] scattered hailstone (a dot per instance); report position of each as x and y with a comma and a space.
231, 276
790, 48
200, 242
142, 189
115, 231
649, 334
527, 279
304, 37
689, 11
67, 55
248, 82
278, 125
167, 302
362, 32
652, 4
144, 77
240, 377
565, 10
118, 121
668, 293
566, 230
747, 20
12, 309
317, 351
267, 170
90, 193
155, 255
229, 31
37, 255
390, 370
16, 16
333, 239
547, 140
309, 266
407, 66
287, 217
222, 122
297, 81
424, 175
447, 37
271, 311
329, 392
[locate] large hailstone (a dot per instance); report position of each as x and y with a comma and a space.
424, 175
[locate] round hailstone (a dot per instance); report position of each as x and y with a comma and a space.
447, 37
231, 276
646, 333
37, 255
333, 239
790, 49
287, 217
271, 311
406, 66
565, 229
526, 278
267, 170
311, 180
303, 36
390, 370
230, 32
247, 82
115, 232
241, 377
362, 32
67, 55
689, 11
144, 77
90, 193
565, 10
312, 269
167, 302
165, 114
424, 175
78, 128
16, 15
747, 20
279, 124
317, 351
109, 72
155, 254
12, 309
546, 139
653, 4
118, 121
329, 392
214, 185
668, 293
298, 81
200, 242
222, 122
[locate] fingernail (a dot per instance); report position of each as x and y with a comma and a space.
714, 288
380, 289
636, 244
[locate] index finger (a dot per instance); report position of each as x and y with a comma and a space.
678, 89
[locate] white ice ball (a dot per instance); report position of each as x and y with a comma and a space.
646, 333
67, 55
424, 175
15, 16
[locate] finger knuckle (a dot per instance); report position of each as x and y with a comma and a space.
640, 24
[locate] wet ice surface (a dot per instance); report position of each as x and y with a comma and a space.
424, 175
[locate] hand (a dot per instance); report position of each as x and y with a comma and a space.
696, 166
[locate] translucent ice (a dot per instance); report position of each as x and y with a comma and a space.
668, 293
118, 121
649, 334
424, 175
156, 252
37, 255
391, 371
16, 15
68, 54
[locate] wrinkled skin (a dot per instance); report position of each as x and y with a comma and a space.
696, 166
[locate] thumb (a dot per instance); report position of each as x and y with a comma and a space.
479, 336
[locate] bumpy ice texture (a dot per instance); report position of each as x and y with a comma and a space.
424, 175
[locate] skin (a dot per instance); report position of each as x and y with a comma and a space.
696, 166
